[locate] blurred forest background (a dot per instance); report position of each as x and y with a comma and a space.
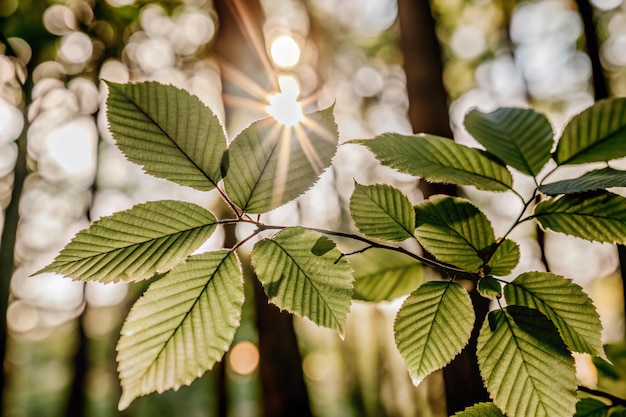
389, 65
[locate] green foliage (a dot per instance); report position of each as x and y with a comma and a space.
268, 165
564, 303
599, 179
316, 284
135, 244
181, 326
525, 365
522, 138
595, 135
454, 231
481, 410
380, 274
439, 160
433, 326
590, 407
187, 318
167, 131
598, 216
382, 211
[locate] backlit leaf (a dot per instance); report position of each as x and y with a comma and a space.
599, 216
590, 407
481, 410
269, 164
181, 326
564, 303
135, 244
382, 211
313, 285
454, 231
381, 274
526, 367
522, 138
438, 159
597, 134
167, 131
591, 181
504, 259
433, 325
489, 287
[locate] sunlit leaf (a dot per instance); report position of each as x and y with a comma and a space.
564, 303
599, 216
481, 410
522, 138
454, 231
295, 278
167, 131
381, 274
181, 326
505, 258
433, 325
590, 407
526, 367
382, 211
269, 164
596, 134
489, 287
438, 159
599, 179
135, 244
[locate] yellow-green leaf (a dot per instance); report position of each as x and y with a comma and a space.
135, 244
310, 283
433, 325
181, 326
167, 131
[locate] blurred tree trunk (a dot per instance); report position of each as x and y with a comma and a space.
600, 91
282, 381
428, 113
7, 242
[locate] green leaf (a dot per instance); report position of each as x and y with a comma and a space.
526, 368
597, 134
382, 211
454, 231
439, 160
313, 285
135, 244
564, 303
381, 274
522, 138
489, 287
269, 164
481, 410
167, 131
181, 326
617, 411
599, 216
590, 407
433, 325
504, 259
591, 181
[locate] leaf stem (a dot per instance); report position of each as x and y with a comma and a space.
232, 206
452, 271
614, 399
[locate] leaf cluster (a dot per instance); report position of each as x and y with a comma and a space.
186, 320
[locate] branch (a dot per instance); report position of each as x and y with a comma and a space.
614, 399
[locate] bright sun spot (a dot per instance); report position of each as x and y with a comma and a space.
284, 106
285, 51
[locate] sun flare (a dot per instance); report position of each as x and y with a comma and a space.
284, 106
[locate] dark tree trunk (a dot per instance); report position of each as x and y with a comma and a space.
282, 381
601, 91
76, 399
428, 113
7, 244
